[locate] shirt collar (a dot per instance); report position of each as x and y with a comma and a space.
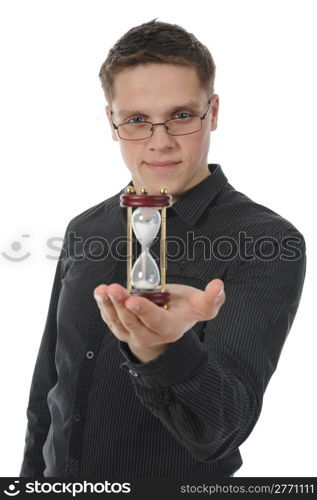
194, 202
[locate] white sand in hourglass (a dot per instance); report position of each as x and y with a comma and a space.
146, 222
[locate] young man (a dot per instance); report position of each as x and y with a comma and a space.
122, 387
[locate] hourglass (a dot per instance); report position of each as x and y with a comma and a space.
145, 221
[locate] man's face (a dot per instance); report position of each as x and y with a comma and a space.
158, 92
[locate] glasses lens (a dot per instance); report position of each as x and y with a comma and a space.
135, 131
184, 126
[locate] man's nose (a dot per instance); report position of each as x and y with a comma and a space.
160, 138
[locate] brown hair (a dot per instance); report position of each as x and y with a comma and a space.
161, 43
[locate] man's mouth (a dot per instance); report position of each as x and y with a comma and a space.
162, 165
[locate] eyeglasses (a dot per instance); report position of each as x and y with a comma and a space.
139, 129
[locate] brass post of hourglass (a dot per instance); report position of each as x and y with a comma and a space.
129, 190
144, 190
163, 190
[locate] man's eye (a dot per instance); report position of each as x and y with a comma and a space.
183, 115
136, 119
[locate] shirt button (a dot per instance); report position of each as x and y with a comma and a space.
77, 417
134, 373
183, 263
89, 354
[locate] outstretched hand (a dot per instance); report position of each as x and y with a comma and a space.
148, 328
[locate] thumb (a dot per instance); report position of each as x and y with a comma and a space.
215, 288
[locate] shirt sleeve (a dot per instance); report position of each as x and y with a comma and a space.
207, 387
44, 378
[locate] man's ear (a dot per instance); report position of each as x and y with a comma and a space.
214, 112
113, 132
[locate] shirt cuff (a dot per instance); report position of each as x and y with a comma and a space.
175, 364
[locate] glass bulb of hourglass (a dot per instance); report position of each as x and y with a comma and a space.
146, 223
145, 273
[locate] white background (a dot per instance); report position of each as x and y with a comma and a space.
58, 159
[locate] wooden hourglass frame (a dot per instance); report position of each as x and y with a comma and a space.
145, 221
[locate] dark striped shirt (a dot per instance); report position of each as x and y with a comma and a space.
96, 411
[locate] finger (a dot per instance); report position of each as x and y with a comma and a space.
109, 314
140, 335
214, 296
214, 288
155, 318
209, 301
